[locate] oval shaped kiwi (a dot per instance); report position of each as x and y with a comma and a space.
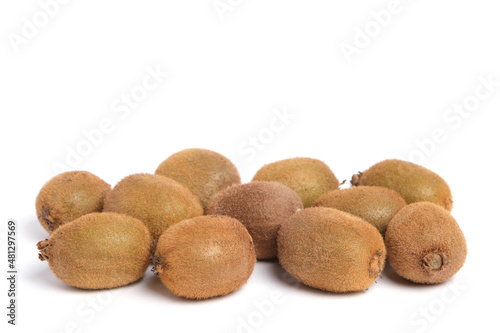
98, 251
69, 196
413, 182
376, 205
331, 250
425, 244
203, 171
310, 178
261, 207
204, 257
156, 200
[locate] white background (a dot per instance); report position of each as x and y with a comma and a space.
227, 79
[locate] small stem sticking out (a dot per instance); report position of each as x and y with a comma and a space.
43, 246
376, 264
448, 204
158, 264
355, 179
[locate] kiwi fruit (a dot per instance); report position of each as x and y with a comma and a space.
203, 171
413, 182
376, 205
204, 257
261, 207
331, 250
425, 244
98, 251
156, 200
69, 196
310, 178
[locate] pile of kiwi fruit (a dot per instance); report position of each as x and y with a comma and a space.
202, 230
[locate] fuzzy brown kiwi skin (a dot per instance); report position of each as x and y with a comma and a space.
69, 196
374, 204
413, 182
98, 251
261, 207
158, 201
203, 171
331, 250
309, 177
204, 257
425, 244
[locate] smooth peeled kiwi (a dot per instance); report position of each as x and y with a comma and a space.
98, 251
376, 205
204, 257
68, 196
309, 177
156, 200
331, 250
413, 182
261, 207
425, 244
203, 171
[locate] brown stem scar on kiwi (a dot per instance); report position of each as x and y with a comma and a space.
49, 221
158, 264
42, 247
355, 178
433, 262
152, 249
376, 264
450, 202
